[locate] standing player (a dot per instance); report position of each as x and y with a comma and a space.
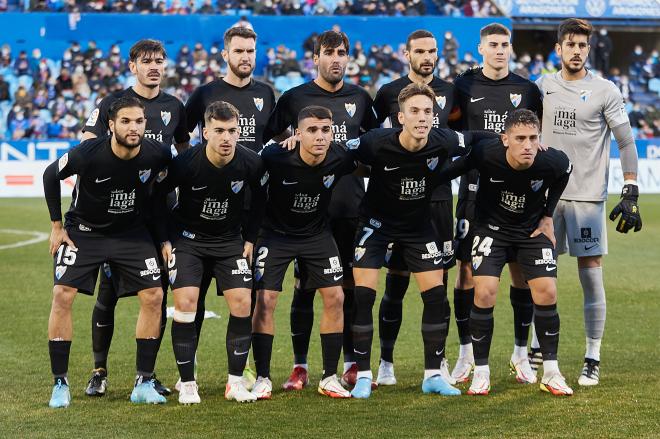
422, 54
580, 113
513, 221
105, 223
300, 184
396, 209
206, 232
352, 113
486, 97
255, 102
253, 99
165, 123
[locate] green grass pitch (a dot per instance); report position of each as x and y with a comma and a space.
626, 404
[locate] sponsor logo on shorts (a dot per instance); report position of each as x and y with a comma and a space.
152, 268
335, 266
188, 234
359, 252
547, 258
437, 255
242, 268
586, 238
59, 271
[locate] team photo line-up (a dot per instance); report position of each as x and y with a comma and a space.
281, 181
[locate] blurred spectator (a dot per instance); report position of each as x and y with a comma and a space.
4, 90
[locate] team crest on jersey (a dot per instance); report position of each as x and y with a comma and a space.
432, 163
350, 108
585, 95
144, 175
353, 143
236, 186
59, 271
441, 101
328, 180
166, 116
91, 121
536, 185
476, 261
259, 103
515, 99
264, 179
359, 252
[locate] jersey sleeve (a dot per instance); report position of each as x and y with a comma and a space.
381, 106
614, 109
362, 149
280, 119
257, 200
181, 133
97, 122
194, 112
348, 164
369, 119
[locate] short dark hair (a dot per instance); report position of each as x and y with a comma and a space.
315, 111
522, 117
331, 39
121, 103
238, 31
574, 26
144, 47
494, 29
418, 34
414, 89
220, 110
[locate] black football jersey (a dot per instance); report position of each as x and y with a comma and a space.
401, 181
386, 105
165, 117
210, 200
255, 102
299, 194
111, 194
352, 114
513, 201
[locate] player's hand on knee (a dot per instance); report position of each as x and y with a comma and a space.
166, 251
248, 248
547, 228
58, 235
628, 209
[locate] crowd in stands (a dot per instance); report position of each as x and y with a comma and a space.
51, 98
476, 8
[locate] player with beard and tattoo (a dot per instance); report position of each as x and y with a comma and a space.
352, 110
422, 54
106, 223
165, 123
581, 113
254, 100
486, 97
206, 235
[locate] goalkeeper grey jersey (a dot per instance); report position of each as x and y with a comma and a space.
578, 117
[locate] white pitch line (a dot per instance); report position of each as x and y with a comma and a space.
37, 237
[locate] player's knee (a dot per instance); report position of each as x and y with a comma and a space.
545, 293
589, 261
63, 296
151, 299
486, 296
266, 302
186, 304
333, 300
240, 306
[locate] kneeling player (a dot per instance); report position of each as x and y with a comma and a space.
405, 164
300, 184
514, 220
105, 223
206, 232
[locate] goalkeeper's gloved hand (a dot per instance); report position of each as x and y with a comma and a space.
628, 209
